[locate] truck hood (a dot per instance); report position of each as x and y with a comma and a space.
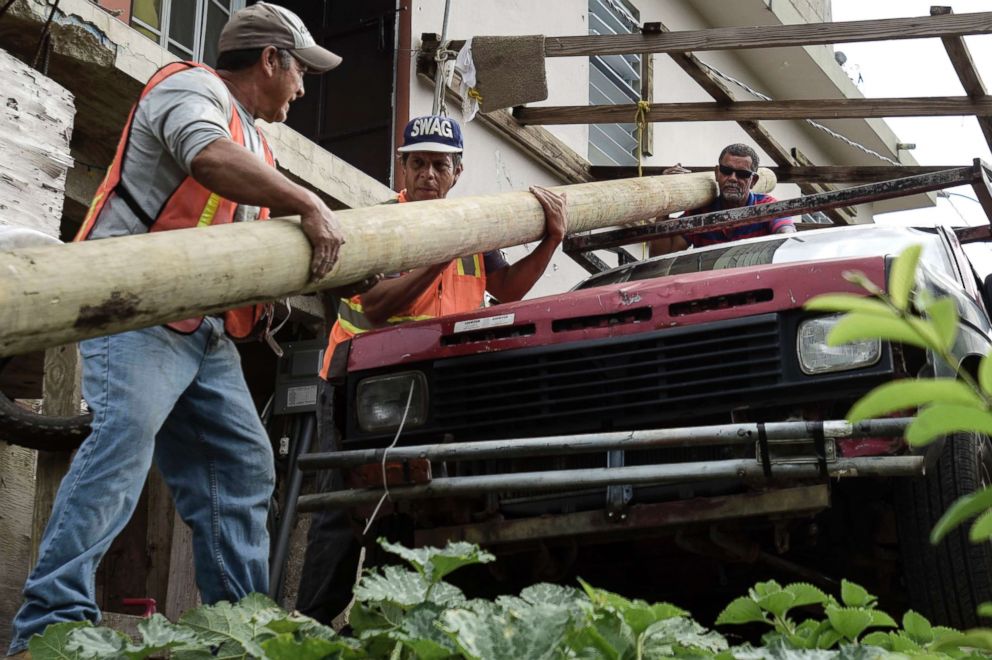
612, 310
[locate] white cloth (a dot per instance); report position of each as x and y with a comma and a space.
466, 69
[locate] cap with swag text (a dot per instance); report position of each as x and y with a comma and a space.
264, 24
432, 133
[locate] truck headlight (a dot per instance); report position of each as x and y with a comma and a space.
381, 400
816, 357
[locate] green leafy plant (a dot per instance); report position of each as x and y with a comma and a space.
411, 612
945, 405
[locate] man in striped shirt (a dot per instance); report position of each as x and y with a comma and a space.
736, 174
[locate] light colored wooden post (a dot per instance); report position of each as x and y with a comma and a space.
183, 593
61, 397
61, 293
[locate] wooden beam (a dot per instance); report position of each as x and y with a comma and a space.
771, 36
983, 188
851, 174
118, 284
935, 106
964, 66
716, 88
61, 387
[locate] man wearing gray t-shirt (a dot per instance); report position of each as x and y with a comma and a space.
189, 156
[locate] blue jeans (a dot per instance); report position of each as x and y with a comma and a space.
182, 400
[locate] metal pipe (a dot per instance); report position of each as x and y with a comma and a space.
441, 57
281, 550
561, 445
744, 469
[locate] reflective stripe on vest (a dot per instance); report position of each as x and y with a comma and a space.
463, 283
190, 205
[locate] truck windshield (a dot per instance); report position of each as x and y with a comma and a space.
841, 242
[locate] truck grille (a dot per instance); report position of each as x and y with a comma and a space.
614, 383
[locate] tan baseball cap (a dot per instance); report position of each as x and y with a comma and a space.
264, 24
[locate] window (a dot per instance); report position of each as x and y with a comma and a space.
613, 79
188, 28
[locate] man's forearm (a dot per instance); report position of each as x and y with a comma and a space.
390, 296
513, 282
237, 174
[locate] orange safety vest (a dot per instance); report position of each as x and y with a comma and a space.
461, 287
190, 205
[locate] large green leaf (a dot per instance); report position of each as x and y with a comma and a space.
550, 594
963, 508
985, 374
287, 646
404, 587
778, 603
806, 594
944, 419
974, 639
223, 624
435, 563
640, 615
507, 635
99, 643
943, 315
880, 619
917, 627
985, 610
848, 302
981, 529
854, 595
848, 621
420, 633
740, 610
681, 636
903, 275
51, 644
910, 393
859, 326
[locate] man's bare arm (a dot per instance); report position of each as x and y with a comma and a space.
237, 174
513, 282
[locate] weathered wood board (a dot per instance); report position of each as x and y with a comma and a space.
36, 116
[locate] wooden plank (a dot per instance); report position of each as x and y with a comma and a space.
537, 142
161, 514
798, 174
61, 396
936, 106
647, 94
765, 141
17, 495
983, 188
964, 66
771, 36
183, 594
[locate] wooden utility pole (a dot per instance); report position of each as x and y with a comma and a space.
56, 294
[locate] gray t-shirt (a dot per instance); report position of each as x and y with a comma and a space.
179, 117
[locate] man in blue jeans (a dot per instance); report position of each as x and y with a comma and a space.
190, 155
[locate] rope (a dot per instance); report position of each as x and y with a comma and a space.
832, 133
44, 42
385, 482
473, 93
641, 119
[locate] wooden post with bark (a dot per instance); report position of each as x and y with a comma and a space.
53, 295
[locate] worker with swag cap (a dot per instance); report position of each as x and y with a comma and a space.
430, 164
190, 155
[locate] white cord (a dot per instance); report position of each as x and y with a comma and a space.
827, 130
385, 482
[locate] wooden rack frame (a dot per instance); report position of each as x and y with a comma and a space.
524, 124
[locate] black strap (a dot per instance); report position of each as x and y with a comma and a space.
122, 191
820, 446
766, 463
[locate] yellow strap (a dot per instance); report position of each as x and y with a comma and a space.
353, 329
209, 211
406, 319
473, 93
641, 118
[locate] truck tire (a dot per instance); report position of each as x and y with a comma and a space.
946, 582
42, 432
